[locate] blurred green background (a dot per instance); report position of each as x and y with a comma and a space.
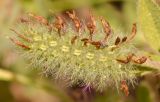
20, 84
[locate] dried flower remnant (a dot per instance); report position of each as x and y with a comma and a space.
86, 41
124, 87
59, 24
75, 19
77, 55
74, 39
91, 25
127, 60
24, 20
39, 18
124, 39
133, 33
106, 28
118, 40
140, 60
133, 58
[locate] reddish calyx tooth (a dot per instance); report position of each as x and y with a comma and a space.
21, 36
19, 43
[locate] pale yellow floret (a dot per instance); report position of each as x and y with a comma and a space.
120, 66
53, 43
65, 48
89, 55
43, 47
77, 52
103, 59
37, 38
110, 48
54, 53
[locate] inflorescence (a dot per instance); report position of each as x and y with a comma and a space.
87, 53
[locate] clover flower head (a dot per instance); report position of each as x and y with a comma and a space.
79, 52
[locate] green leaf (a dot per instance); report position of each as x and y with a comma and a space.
61, 5
143, 94
141, 70
8, 76
149, 21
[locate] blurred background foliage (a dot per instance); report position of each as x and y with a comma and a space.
20, 84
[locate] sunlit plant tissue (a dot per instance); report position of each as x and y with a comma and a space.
86, 53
